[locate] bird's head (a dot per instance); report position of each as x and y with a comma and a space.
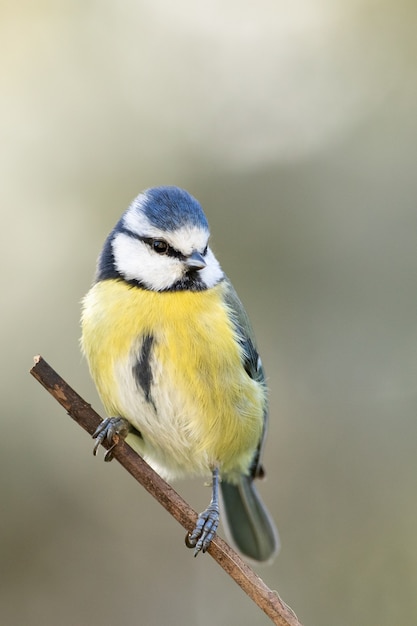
161, 243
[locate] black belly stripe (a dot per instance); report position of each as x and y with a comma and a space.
142, 370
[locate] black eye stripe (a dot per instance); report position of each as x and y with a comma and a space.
158, 246
151, 241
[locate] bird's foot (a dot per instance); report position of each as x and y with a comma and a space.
205, 529
111, 430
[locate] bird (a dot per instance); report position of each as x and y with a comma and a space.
173, 356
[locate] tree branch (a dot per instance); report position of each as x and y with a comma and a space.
268, 600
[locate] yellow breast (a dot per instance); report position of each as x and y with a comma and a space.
205, 409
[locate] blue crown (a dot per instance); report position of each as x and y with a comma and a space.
169, 208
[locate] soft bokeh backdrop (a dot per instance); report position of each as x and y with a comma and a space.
295, 126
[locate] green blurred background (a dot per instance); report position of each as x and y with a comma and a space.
295, 125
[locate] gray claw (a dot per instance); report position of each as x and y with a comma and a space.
205, 529
111, 430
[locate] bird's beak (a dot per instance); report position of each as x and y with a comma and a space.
195, 261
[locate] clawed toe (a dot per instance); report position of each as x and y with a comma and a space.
205, 529
111, 430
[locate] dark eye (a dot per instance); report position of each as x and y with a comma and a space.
160, 246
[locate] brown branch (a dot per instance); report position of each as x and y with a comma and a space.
85, 416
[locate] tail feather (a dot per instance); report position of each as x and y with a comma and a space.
248, 522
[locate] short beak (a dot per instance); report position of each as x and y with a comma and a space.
195, 261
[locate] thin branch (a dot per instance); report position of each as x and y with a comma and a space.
268, 600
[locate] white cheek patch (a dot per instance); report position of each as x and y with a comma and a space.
134, 260
212, 273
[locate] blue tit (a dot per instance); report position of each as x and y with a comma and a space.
172, 353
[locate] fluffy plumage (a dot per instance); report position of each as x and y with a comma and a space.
172, 352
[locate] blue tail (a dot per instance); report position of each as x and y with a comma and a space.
248, 522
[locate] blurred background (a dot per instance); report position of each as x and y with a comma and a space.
294, 124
